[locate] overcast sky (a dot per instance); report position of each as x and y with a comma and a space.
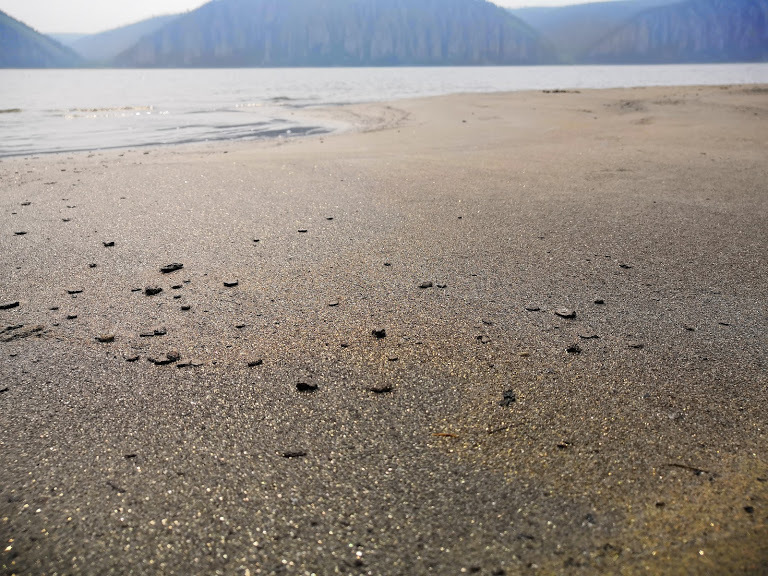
89, 16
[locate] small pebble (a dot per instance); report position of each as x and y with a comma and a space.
132, 358
255, 363
379, 333
565, 313
333, 303
599, 301
105, 338
573, 349
303, 231
108, 244
589, 336
22, 233
625, 266
425, 285
168, 268
442, 285
508, 398
71, 316
9, 305
73, 291
532, 308
92, 265
186, 307
231, 283
483, 339
384, 389
304, 387
152, 290
636, 345
294, 454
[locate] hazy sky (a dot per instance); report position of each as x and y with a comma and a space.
89, 16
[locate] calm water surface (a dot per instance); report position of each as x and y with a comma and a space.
45, 111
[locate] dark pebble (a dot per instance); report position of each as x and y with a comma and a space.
135, 289
426, 284
177, 287
53, 308
379, 333
589, 336
71, 316
532, 309
109, 244
381, 389
240, 326
256, 240
565, 313
255, 363
177, 297
66, 219
625, 266
442, 285
9, 305
333, 303
483, 339
161, 331
231, 283
186, 307
508, 398
132, 358
599, 301
387, 264
75, 291
574, 349
636, 345
294, 454
303, 231
152, 290
749, 509
168, 268
304, 387
92, 265
26, 203
22, 233
105, 338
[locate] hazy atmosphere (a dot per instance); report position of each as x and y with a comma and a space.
383, 287
91, 16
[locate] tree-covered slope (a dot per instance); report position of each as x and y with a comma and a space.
22, 47
691, 31
341, 33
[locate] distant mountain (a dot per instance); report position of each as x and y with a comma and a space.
103, 47
22, 47
573, 30
690, 31
66, 38
340, 33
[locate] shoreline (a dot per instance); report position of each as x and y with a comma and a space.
571, 375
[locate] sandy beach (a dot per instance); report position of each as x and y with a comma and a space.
497, 334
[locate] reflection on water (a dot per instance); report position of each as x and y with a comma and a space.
65, 110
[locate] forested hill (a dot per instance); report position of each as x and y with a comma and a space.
691, 31
341, 33
22, 47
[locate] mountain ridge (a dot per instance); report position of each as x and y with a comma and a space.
24, 47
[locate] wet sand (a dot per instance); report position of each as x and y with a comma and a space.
496, 334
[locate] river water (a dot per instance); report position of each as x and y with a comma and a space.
44, 111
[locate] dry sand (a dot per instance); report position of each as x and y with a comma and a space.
485, 433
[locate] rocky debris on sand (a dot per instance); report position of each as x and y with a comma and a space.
20, 233
425, 285
71, 316
383, 389
599, 301
303, 230
9, 305
565, 313
305, 387
255, 362
379, 333
189, 364
105, 338
626, 266
108, 244
177, 287
132, 358
589, 336
293, 454
170, 357
231, 283
159, 331
333, 303
26, 203
573, 349
152, 290
92, 265
509, 397
532, 308
19, 332
483, 339
73, 291
186, 307
442, 286
168, 268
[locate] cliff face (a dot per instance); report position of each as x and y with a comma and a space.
22, 47
692, 31
341, 33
